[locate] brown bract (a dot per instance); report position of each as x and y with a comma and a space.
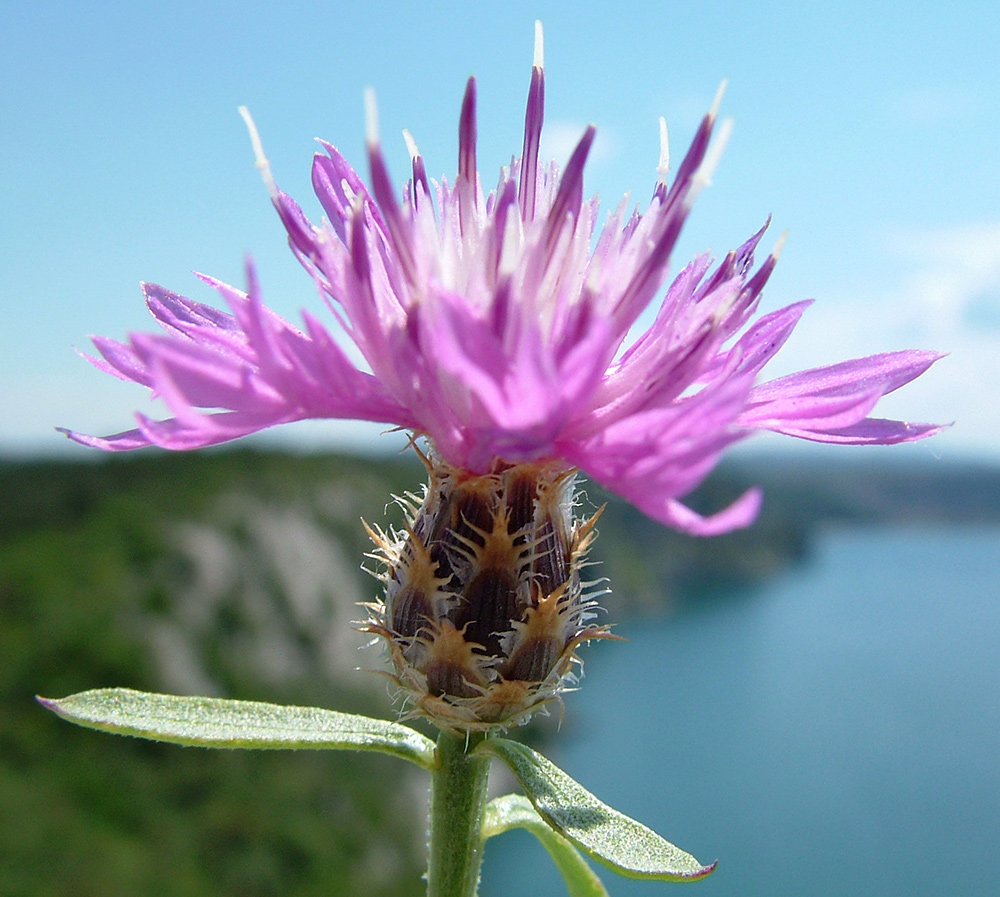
484, 605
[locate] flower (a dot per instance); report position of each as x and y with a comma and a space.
498, 329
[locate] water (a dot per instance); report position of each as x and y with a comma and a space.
835, 733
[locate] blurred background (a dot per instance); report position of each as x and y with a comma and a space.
813, 701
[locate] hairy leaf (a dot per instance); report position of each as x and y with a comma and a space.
222, 723
515, 811
610, 837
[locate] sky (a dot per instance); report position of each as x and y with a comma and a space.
871, 135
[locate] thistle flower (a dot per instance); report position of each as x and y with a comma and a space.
497, 328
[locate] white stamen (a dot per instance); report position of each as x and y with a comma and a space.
703, 176
371, 118
776, 252
510, 247
260, 160
539, 61
411, 145
717, 102
358, 206
723, 308
664, 165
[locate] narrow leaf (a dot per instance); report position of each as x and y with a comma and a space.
222, 723
515, 811
610, 837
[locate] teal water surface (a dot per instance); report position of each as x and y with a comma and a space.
836, 732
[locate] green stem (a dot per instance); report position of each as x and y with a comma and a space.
458, 798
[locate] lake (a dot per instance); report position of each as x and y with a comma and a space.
834, 732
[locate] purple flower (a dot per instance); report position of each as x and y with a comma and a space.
498, 328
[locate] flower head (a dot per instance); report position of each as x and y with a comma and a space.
500, 327
496, 326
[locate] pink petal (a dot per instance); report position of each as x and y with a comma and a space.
871, 431
887, 372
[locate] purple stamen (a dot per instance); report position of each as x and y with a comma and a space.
570, 196
533, 117
465, 183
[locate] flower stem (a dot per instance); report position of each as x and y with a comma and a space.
458, 798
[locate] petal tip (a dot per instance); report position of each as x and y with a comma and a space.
371, 119
539, 55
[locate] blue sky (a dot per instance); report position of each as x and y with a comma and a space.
872, 135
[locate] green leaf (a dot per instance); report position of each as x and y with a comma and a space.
222, 723
515, 811
610, 837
